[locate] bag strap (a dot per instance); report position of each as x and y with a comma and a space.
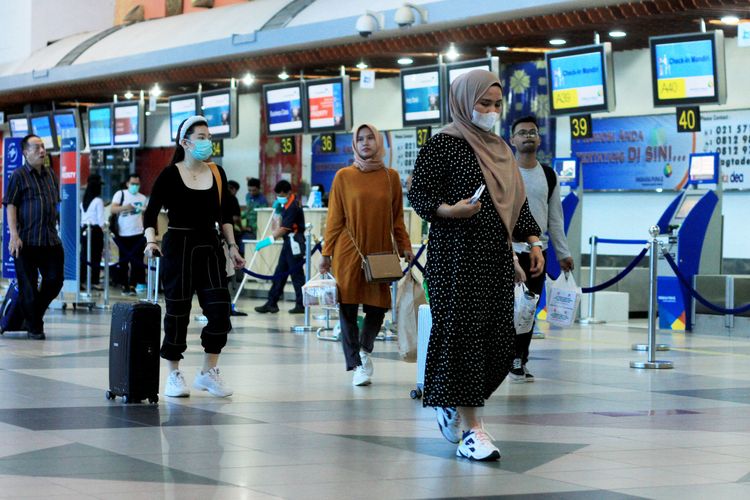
217, 178
549, 174
390, 212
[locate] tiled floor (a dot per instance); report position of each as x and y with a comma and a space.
590, 427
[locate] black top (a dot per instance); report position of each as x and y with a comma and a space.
292, 216
234, 206
35, 196
188, 208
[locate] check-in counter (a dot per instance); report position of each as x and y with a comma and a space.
727, 291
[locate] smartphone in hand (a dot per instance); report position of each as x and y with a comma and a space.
477, 195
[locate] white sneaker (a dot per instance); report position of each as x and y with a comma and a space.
366, 363
212, 382
449, 422
360, 377
176, 386
476, 444
529, 376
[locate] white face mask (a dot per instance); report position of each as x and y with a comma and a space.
485, 121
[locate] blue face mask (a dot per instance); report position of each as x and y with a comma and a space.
203, 149
133, 188
281, 200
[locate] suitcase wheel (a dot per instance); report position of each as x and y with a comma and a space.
153, 399
109, 395
125, 399
416, 394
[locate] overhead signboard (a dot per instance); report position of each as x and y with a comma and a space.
422, 95
128, 125
329, 105
581, 80
283, 108
181, 107
100, 126
220, 109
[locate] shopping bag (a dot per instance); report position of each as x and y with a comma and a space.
563, 299
409, 297
524, 308
320, 291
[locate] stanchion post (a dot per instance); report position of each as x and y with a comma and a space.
652, 362
308, 273
88, 259
105, 304
590, 319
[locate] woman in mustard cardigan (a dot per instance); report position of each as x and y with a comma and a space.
365, 206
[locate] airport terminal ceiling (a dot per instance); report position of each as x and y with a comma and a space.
527, 38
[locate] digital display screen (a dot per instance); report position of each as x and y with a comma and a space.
19, 127
127, 122
688, 202
577, 80
454, 73
704, 168
567, 171
63, 122
421, 96
100, 126
180, 109
216, 108
685, 69
326, 105
42, 126
284, 109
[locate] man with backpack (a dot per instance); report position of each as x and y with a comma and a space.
128, 206
543, 194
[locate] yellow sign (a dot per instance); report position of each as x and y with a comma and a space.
562, 99
672, 88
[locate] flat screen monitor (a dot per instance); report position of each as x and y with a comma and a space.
66, 120
688, 202
581, 80
129, 121
19, 126
181, 107
688, 69
704, 168
42, 126
220, 109
284, 108
567, 170
100, 126
329, 105
456, 69
421, 95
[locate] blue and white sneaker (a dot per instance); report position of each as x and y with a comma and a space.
476, 444
449, 422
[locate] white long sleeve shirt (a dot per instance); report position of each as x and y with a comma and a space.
94, 214
549, 216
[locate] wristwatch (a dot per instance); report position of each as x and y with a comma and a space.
537, 244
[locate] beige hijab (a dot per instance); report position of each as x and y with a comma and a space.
495, 157
375, 162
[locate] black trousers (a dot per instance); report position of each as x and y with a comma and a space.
287, 262
536, 285
97, 247
131, 255
352, 339
30, 263
193, 263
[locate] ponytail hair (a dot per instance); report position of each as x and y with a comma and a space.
179, 152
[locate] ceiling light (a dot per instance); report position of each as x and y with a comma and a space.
362, 65
148, 113
557, 41
617, 34
452, 53
128, 95
155, 90
732, 20
284, 75
405, 61
502, 48
248, 79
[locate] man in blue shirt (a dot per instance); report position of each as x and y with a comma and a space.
292, 230
253, 199
31, 200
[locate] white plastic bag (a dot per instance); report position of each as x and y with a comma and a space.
524, 308
563, 299
320, 291
410, 296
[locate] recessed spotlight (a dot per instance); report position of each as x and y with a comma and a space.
148, 113
617, 34
284, 75
732, 20
502, 48
405, 61
248, 79
452, 53
128, 95
362, 65
155, 90
557, 41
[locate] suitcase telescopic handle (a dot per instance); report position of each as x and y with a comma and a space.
152, 281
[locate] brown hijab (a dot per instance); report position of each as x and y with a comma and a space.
495, 157
375, 162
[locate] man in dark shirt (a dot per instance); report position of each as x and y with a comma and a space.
292, 230
31, 200
234, 203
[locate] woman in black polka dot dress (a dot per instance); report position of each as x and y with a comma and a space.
470, 264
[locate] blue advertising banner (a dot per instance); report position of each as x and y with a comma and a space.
13, 159
646, 153
69, 213
325, 165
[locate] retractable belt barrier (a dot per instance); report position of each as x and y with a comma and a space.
293, 270
638, 258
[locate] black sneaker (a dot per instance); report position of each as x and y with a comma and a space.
517, 375
36, 335
297, 310
267, 308
527, 374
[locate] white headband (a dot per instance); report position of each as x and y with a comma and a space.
187, 124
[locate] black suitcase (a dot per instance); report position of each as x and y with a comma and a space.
11, 315
134, 341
